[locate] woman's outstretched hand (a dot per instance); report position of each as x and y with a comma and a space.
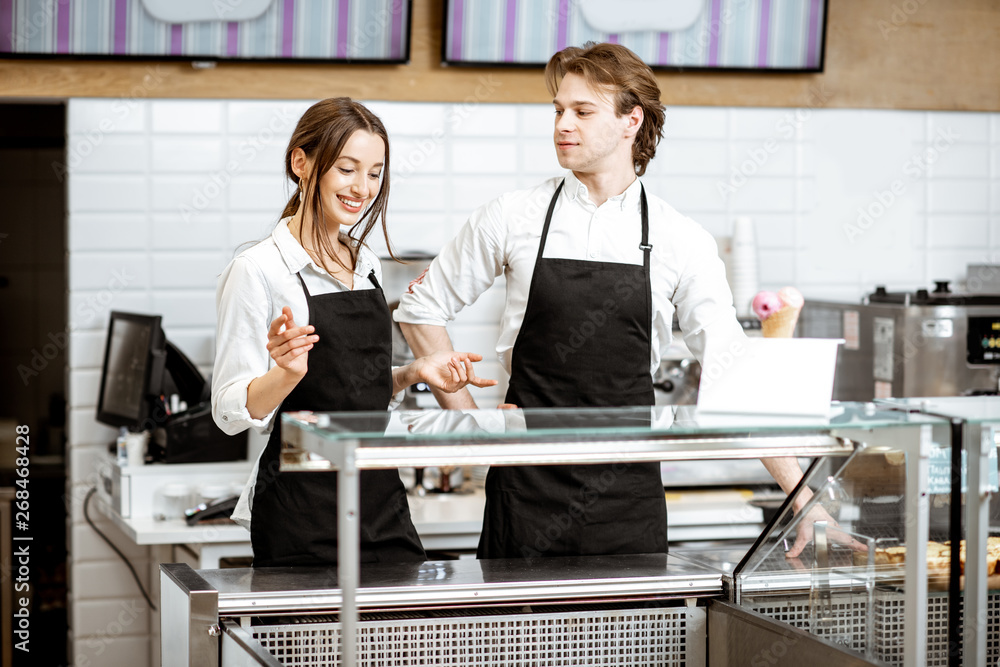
450, 371
289, 344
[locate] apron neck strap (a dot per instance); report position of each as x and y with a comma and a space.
304, 288
548, 220
371, 277
645, 246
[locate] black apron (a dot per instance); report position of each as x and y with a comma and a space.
585, 342
294, 515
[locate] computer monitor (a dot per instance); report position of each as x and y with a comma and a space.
142, 370
140, 366
132, 376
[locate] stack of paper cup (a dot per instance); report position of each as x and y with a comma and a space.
135, 444
743, 266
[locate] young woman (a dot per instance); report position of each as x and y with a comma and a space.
303, 325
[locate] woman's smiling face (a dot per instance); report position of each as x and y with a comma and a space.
353, 180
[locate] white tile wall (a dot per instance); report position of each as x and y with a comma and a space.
162, 192
95, 193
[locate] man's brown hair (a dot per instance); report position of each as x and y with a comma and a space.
629, 81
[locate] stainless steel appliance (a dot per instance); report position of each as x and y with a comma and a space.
596, 610
903, 344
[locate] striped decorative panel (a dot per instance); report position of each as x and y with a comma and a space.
374, 30
741, 34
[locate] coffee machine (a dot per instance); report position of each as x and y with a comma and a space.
907, 344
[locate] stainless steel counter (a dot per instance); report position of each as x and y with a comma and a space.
265, 591
513, 608
637, 609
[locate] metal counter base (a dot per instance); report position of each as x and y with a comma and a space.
738, 636
598, 610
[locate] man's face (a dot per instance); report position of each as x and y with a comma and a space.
589, 137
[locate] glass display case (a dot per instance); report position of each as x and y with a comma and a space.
975, 434
848, 441
854, 582
346, 442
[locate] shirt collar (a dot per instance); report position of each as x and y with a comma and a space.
292, 252
578, 192
296, 257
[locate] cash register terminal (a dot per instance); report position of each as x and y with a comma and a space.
141, 371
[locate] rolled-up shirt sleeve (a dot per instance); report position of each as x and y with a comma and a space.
465, 268
244, 308
703, 299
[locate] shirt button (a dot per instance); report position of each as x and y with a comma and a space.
225, 418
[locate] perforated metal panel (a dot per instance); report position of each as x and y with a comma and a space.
660, 636
844, 624
849, 629
889, 629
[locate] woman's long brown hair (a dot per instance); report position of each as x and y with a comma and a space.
322, 132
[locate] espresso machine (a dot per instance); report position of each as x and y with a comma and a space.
908, 344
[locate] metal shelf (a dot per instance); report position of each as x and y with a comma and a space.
308, 451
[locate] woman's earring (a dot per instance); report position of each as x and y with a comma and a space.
302, 191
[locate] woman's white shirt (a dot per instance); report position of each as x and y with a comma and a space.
252, 290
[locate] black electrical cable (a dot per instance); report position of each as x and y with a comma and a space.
86, 515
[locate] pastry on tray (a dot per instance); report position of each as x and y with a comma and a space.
938, 557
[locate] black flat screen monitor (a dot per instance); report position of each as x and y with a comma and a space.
132, 375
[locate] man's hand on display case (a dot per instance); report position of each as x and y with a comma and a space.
796, 564
804, 534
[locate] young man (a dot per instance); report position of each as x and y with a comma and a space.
596, 268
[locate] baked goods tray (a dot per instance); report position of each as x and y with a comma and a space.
780, 575
838, 579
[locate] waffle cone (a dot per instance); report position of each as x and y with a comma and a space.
782, 323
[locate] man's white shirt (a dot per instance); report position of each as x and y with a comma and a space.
501, 237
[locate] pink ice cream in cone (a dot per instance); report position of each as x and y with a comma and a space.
778, 313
